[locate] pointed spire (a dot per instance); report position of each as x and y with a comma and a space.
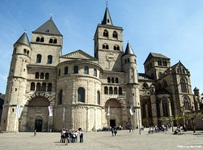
129, 50
23, 39
107, 18
48, 27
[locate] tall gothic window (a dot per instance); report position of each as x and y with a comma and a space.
81, 94
49, 89
32, 87
37, 75
110, 90
120, 91
183, 84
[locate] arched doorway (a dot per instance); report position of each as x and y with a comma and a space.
37, 114
38, 124
113, 110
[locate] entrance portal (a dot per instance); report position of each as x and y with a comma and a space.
38, 125
112, 122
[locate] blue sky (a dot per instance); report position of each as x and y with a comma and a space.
173, 28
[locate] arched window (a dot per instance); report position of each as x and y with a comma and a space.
86, 70
98, 97
116, 47
165, 107
115, 34
37, 39
112, 79
115, 90
32, 87
105, 33
49, 59
186, 103
42, 39
105, 90
49, 89
43, 87
120, 91
39, 58
42, 75
55, 41
25, 52
75, 69
60, 97
51, 41
81, 94
66, 70
116, 80
110, 90
183, 84
47, 76
105, 46
108, 79
38, 87
37, 75
95, 72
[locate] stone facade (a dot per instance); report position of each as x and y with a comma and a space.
91, 92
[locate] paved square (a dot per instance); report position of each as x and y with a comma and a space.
104, 141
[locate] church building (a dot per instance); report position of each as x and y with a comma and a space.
48, 90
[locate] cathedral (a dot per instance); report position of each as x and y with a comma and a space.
48, 91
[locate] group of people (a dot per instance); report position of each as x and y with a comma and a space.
71, 136
179, 129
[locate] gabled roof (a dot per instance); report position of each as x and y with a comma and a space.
129, 50
23, 39
48, 27
155, 55
79, 54
107, 18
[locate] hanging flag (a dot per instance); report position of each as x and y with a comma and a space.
18, 110
50, 110
108, 114
131, 110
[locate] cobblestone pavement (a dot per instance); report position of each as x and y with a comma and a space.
104, 141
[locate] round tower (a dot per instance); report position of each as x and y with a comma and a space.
132, 91
16, 84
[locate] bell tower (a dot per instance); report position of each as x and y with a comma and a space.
108, 44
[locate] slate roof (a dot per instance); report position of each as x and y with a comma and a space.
23, 39
107, 18
48, 27
129, 50
155, 55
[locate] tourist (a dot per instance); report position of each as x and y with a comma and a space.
81, 135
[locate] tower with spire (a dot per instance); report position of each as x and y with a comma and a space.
16, 84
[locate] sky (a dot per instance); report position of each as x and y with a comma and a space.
173, 28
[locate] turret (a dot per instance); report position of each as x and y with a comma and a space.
16, 84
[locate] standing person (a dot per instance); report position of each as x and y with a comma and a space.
81, 135
112, 131
115, 131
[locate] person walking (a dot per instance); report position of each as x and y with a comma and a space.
81, 135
